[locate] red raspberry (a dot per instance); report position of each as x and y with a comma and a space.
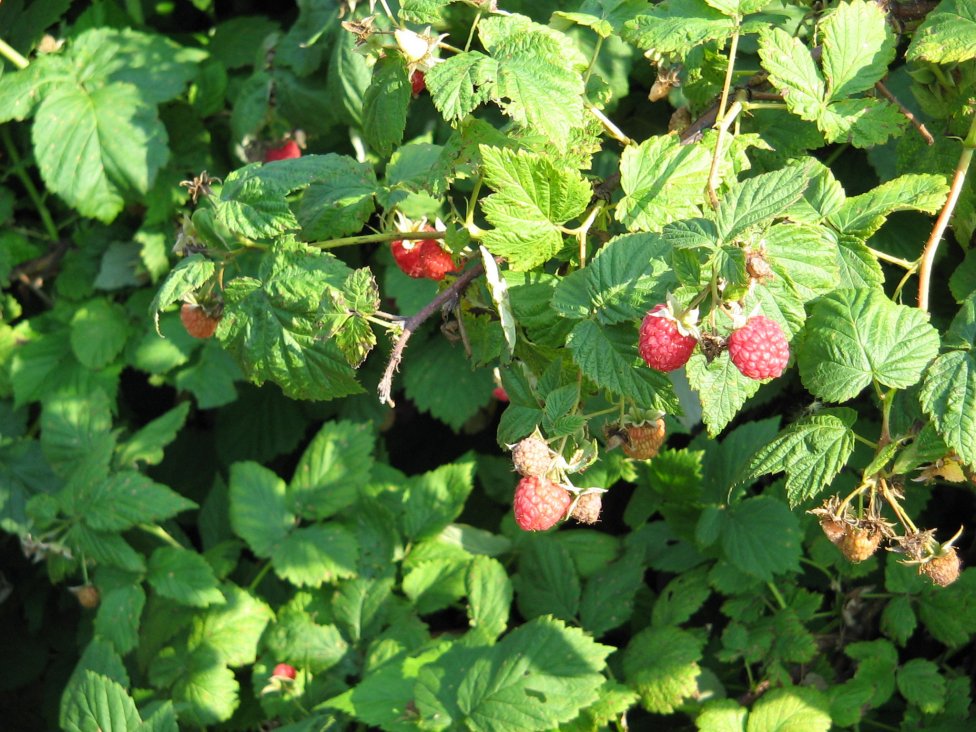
435, 261
500, 394
406, 253
197, 321
417, 82
532, 456
759, 349
284, 671
662, 346
539, 503
644, 440
285, 151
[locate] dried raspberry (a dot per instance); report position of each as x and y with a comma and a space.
644, 440
588, 507
661, 344
833, 528
285, 151
87, 595
539, 503
197, 321
759, 349
858, 543
532, 456
942, 569
417, 82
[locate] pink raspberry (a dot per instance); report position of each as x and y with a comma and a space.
759, 348
539, 503
662, 345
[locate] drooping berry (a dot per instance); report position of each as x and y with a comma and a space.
87, 595
644, 440
532, 456
859, 543
434, 261
588, 507
285, 151
406, 253
417, 82
661, 344
197, 321
539, 503
284, 671
942, 569
759, 348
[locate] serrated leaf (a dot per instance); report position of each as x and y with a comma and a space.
855, 336
532, 198
435, 499
489, 592
792, 71
385, 104
864, 122
898, 620
186, 277
435, 584
792, 708
804, 255
97, 703
312, 555
231, 630
681, 598
104, 548
76, 431
339, 200
23, 90
761, 537
99, 331
608, 597
118, 616
547, 582
206, 696
423, 11
662, 181
662, 664
331, 471
461, 83
147, 444
948, 397
721, 388
258, 507
183, 576
811, 451
626, 278
857, 47
605, 17
678, 26
95, 147
920, 682
125, 499
863, 215
255, 208
948, 34
295, 638
440, 380
607, 356
858, 266
721, 715
760, 199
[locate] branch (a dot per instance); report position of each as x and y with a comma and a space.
906, 112
411, 324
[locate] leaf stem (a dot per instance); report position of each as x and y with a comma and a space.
160, 533
474, 25
251, 588
776, 593
472, 201
615, 132
865, 441
723, 127
25, 180
885, 257
593, 59
12, 55
932, 245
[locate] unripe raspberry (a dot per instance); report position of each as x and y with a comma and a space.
644, 440
858, 543
759, 348
661, 344
532, 456
588, 507
539, 503
87, 595
943, 569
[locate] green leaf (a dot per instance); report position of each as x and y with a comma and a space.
385, 104
489, 592
662, 664
183, 576
760, 199
312, 555
253, 207
147, 444
608, 357
537, 677
423, 11
862, 122
721, 388
858, 266
125, 499
99, 331
948, 396
806, 256
863, 215
332, 470
433, 500
118, 616
436, 584
186, 277
811, 451
681, 598
97, 703
605, 17
662, 181
626, 278
857, 45
104, 548
721, 715
855, 336
440, 380
532, 198
920, 682
206, 695
791, 708
22, 91
948, 34
792, 71
339, 200
258, 508
547, 582
295, 638
678, 26
761, 537
230, 631
608, 598
96, 147
75, 431
461, 83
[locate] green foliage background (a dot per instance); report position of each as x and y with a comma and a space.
246, 500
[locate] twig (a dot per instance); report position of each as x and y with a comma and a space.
25, 180
932, 245
411, 324
906, 113
12, 55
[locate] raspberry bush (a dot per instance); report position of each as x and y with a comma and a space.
497, 365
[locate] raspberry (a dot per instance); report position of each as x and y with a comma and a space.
662, 346
532, 456
284, 671
539, 503
285, 151
500, 394
644, 440
588, 507
417, 82
833, 528
406, 253
197, 321
423, 258
942, 569
759, 349
87, 595
857, 544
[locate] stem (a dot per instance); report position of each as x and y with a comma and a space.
865, 441
899, 511
477, 19
720, 119
12, 55
160, 533
906, 113
386, 9
727, 121
380, 237
584, 228
932, 245
884, 257
259, 577
776, 593
472, 201
733, 47
25, 179
886, 402
84, 568
593, 58
748, 107
411, 324
615, 132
